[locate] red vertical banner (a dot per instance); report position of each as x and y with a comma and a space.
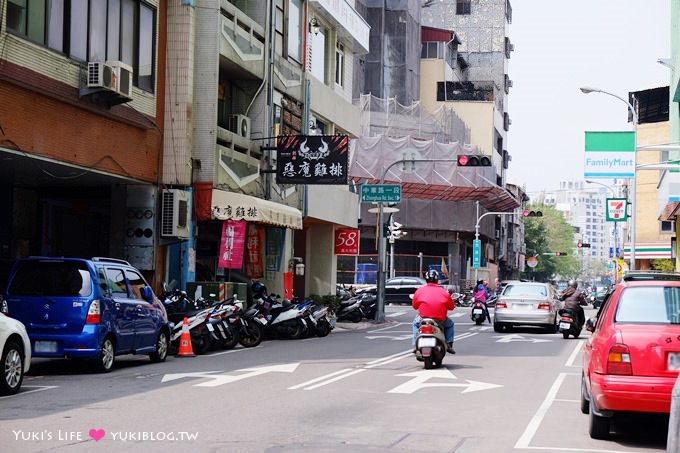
232, 244
254, 251
288, 285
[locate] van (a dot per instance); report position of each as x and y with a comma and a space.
95, 309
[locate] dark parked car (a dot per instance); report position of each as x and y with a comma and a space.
398, 289
87, 309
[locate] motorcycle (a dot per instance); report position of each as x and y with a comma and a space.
249, 325
569, 324
479, 312
369, 305
284, 319
430, 343
201, 338
350, 310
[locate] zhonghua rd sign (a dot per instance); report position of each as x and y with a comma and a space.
609, 155
380, 193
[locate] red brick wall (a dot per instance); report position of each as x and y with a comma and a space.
45, 117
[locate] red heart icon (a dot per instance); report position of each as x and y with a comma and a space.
97, 434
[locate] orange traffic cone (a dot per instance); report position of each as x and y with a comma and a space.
185, 349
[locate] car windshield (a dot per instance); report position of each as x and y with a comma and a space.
649, 304
524, 290
56, 278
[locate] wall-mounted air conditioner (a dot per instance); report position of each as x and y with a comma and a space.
240, 124
123, 77
112, 75
175, 213
101, 75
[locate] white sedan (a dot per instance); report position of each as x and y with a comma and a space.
16, 354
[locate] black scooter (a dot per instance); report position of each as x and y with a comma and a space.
569, 323
479, 312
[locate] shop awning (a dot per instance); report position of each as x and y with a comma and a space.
649, 250
237, 206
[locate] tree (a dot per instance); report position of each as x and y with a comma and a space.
546, 234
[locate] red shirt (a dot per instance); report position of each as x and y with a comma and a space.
432, 301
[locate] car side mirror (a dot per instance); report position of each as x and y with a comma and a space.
590, 324
147, 294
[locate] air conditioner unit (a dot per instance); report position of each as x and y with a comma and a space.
175, 213
123, 77
101, 75
240, 124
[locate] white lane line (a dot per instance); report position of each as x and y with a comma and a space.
572, 358
537, 419
320, 378
329, 381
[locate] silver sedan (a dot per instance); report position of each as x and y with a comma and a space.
527, 303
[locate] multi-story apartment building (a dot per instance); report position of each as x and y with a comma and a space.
237, 81
410, 112
81, 123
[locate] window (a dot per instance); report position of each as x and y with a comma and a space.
463, 6
667, 226
137, 283
339, 64
92, 30
432, 49
116, 280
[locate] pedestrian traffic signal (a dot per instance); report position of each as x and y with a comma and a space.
527, 213
473, 160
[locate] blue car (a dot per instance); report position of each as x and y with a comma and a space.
79, 308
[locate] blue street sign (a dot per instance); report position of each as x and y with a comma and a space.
476, 253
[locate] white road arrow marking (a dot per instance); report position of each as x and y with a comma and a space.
390, 337
517, 337
221, 379
420, 379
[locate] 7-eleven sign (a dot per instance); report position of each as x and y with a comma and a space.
616, 210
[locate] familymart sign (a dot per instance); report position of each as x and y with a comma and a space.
610, 155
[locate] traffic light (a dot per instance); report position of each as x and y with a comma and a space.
560, 253
580, 244
527, 213
473, 160
394, 231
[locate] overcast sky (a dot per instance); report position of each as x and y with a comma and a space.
612, 45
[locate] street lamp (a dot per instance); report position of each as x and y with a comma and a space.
616, 231
633, 194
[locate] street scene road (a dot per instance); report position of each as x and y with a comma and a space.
359, 389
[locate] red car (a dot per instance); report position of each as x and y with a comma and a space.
632, 358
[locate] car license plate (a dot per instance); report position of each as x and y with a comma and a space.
565, 325
477, 311
674, 361
427, 342
45, 346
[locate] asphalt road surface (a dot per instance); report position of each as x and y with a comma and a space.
358, 390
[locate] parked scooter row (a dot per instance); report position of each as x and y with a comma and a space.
212, 324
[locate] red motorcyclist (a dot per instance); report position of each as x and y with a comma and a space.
433, 301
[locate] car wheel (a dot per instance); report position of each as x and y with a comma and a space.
585, 403
554, 327
162, 346
598, 427
497, 327
12, 369
107, 356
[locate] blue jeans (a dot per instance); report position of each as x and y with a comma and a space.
448, 329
